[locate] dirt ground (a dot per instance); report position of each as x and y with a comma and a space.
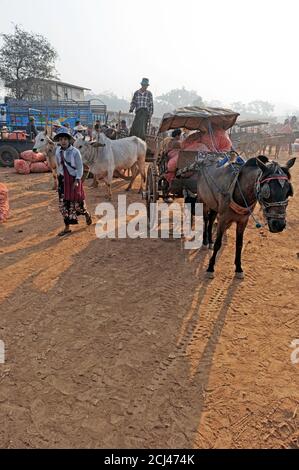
127, 344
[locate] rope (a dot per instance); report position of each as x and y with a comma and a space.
211, 134
257, 223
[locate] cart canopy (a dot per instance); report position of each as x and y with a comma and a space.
196, 118
243, 124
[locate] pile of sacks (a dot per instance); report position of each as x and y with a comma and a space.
31, 162
4, 206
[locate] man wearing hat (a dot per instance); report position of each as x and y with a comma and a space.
70, 189
143, 105
56, 125
31, 130
79, 132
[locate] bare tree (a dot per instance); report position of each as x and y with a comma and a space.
25, 59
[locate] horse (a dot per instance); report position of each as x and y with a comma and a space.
43, 143
232, 195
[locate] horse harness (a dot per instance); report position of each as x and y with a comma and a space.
262, 193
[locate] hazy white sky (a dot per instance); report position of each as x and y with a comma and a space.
232, 50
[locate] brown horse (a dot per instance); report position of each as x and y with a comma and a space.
233, 195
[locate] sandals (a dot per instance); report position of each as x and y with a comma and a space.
67, 232
88, 219
64, 232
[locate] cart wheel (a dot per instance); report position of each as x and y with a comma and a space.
151, 193
7, 155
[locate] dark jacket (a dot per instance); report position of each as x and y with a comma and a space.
31, 130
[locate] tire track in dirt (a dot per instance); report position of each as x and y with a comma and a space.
191, 335
278, 425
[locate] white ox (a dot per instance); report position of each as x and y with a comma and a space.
44, 144
105, 156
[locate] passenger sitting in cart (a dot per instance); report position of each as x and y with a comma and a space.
192, 142
175, 141
216, 139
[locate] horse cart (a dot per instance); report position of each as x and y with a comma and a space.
252, 138
249, 137
279, 141
184, 183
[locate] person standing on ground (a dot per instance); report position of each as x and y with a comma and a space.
79, 132
123, 131
96, 133
70, 188
143, 105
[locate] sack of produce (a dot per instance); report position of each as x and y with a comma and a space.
39, 167
22, 167
31, 156
4, 205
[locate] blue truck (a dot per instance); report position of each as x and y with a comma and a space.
14, 115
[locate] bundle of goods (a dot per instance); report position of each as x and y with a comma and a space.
22, 167
39, 167
31, 162
31, 156
17, 135
4, 205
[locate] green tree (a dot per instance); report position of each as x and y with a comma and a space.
180, 97
25, 58
239, 107
259, 107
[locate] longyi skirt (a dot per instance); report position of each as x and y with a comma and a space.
73, 205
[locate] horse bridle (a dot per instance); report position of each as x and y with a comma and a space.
260, 197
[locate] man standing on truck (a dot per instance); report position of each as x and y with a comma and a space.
31, 130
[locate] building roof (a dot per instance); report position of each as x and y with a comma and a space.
67, 84
58, 82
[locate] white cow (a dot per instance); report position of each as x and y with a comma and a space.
44, 144
105, 156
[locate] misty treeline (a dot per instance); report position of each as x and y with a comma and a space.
26, 57
180, 97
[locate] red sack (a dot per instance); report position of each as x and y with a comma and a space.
4, 205
22, 167
39, 167
27, 155
31, 156
38, 157
17, 135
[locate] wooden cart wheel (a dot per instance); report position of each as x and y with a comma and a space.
151, 192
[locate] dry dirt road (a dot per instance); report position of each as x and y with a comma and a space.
126, 344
